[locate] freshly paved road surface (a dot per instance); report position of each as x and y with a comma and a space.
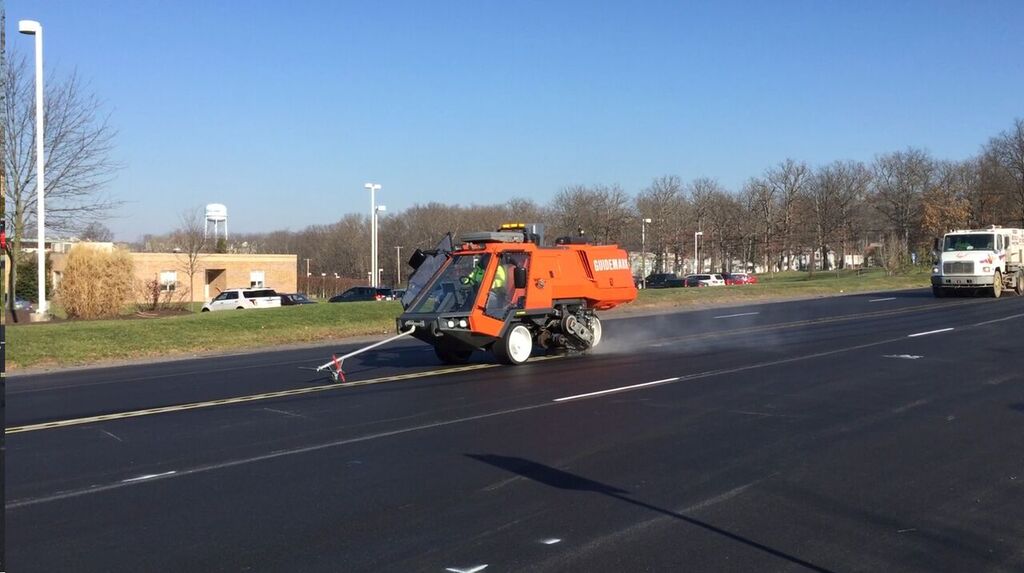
817, 435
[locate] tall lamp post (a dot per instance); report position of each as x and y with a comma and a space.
33, 28
376, 254
398, 267
373, 187
695, 235
643, 252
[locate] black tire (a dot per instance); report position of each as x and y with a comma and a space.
997, 285
452, 355
240, 308
515, 346
205, 310
1019, 287
939, 292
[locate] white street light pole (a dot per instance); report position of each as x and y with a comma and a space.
398, 267
376, 249
373, 187
33, 28
695, 235
643, 252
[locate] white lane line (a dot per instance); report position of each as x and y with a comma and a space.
619, 389
929, 332
903, 356
1011, 317
148, 476
740, 314
467, 569
882, 299
550, 541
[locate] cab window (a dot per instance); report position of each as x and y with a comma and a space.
503, 296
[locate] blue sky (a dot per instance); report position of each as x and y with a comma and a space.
282, 110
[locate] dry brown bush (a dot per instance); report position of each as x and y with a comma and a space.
96, 283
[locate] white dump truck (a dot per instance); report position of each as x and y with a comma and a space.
986, 261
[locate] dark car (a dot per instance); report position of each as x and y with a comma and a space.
664, 280
295, 298
358, 294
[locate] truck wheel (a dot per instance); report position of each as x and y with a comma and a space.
515, 347
939, 292
1019, 286
452, 355
997, 285
595, 327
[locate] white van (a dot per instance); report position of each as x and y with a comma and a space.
243, 298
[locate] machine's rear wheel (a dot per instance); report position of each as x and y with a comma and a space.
596, 329
452, 355
515, 347
997, 285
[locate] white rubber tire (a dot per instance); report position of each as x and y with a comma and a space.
597, 329
516, 346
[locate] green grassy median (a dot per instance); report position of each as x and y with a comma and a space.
90, 342
86, 342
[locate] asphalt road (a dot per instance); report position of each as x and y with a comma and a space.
861, 433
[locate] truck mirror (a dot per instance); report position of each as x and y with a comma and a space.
417, 259
935, 244
519, 277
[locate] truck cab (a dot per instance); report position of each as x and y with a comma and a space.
981, 260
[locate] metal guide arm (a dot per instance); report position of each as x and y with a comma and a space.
337, 362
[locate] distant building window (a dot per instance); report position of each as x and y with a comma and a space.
168, 280
256, 279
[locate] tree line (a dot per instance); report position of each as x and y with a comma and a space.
793, 215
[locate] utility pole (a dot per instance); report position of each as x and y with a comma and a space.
398, 267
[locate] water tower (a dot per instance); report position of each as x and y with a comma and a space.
216, 214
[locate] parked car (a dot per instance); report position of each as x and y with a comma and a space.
19, 303
705, 280
357, 294
295, 298
243, 298
739, 278
664, 280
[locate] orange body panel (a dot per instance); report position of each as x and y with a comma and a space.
598, 275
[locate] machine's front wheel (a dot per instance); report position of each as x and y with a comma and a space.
452, 356
515, 347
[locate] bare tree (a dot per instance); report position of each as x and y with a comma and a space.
190, 242
662, 203
78, 142
901, 179
96, 231
1008, 150
832, 195
788, 181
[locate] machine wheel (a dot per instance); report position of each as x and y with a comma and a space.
997, 285
596, 328
939, 292
452, 355
515, 347
1019, 287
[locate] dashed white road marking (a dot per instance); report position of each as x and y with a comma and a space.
882, 299
929, 332
111, 435
473, 569
739, 314
1011, 317
148, 476
550, 541
619, 389
903, 356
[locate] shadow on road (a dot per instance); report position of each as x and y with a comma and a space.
553, 477
1019, 406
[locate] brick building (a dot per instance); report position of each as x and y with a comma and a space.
214, 273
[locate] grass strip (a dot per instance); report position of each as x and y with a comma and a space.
75, 343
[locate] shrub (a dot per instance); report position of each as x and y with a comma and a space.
96, 283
